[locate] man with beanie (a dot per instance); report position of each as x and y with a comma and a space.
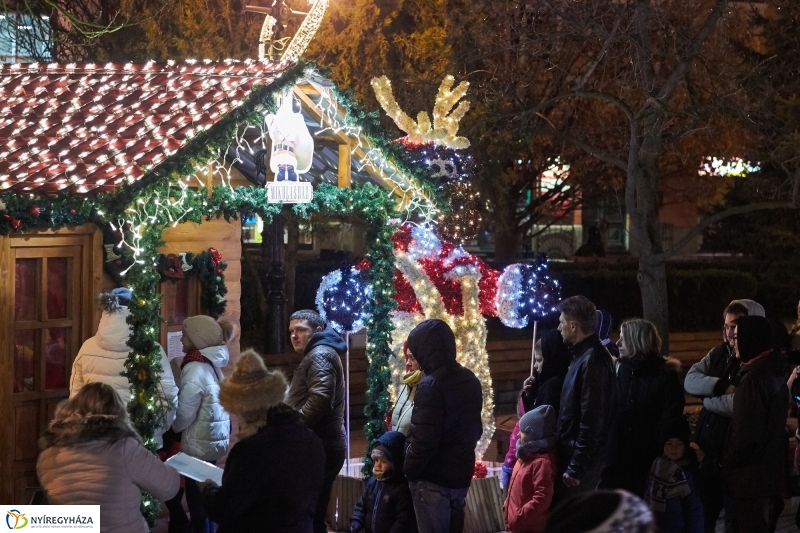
317, 392
586, 400
445, 427
530, 491
712, 380
671, 492
273, 474
753, 464
385, 505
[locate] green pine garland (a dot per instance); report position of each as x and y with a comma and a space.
210, 274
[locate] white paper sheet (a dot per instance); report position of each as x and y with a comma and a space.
174, 346
194, 468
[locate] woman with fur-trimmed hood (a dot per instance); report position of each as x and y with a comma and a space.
92, 456
273, 474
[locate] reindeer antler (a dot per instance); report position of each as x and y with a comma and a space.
445, 118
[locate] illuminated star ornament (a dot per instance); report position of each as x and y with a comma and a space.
526, 292
342, 298
437, 146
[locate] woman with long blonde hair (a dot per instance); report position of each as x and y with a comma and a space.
91, 455
648, 395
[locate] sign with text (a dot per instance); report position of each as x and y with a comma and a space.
289, 192
49, 518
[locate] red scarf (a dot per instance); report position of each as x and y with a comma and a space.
756, 358
194, 356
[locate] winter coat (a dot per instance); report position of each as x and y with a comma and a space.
446, 422
711, 429
317, 388
584, 420
205, 424
756, 448
683, 515
90, 461
401, 415
386, 506
530, 493
271, 480
648, 395
102, 359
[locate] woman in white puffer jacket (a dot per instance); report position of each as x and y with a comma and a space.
201, 418
101, 359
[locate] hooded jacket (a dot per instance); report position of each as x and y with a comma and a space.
386, 506
205, 424
586, 402
271, 480
317, 388
102, 359
90, 461
755, 451
530, 491
446, 421
648, 397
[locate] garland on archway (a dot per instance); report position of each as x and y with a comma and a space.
208, 267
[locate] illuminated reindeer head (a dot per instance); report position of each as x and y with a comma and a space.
447, 113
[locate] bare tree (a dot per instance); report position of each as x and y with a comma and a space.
666, 76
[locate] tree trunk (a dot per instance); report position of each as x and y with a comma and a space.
507, 244
642, 202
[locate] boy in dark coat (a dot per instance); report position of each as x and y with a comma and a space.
671, 492
386, 505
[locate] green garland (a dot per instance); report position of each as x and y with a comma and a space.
208, 267
158, 200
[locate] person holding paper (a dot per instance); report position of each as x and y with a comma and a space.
273, 474
201, 417
91, 455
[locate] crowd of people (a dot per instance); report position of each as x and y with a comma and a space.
602, 443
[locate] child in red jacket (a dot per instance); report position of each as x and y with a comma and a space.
530, 490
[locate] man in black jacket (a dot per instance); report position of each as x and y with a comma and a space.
317, 392
445, 427
757, 443
586, 401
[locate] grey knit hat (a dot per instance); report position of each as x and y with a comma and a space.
203, 331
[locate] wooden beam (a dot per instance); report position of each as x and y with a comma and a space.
345, 164
6, 370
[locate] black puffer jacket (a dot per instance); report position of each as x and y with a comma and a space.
586, 402
755, 452
386, 506
648, 396
271, 480
446, 422
317, 388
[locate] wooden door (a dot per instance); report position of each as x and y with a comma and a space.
50, 284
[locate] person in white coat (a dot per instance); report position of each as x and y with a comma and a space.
101, 359
202, 419
92, 456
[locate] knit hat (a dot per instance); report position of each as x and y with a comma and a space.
753, 308
753, 336
677, 428
251, 391
602, 511
203, 331
539, 426
380, 451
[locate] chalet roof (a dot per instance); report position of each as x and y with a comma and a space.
86, 127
